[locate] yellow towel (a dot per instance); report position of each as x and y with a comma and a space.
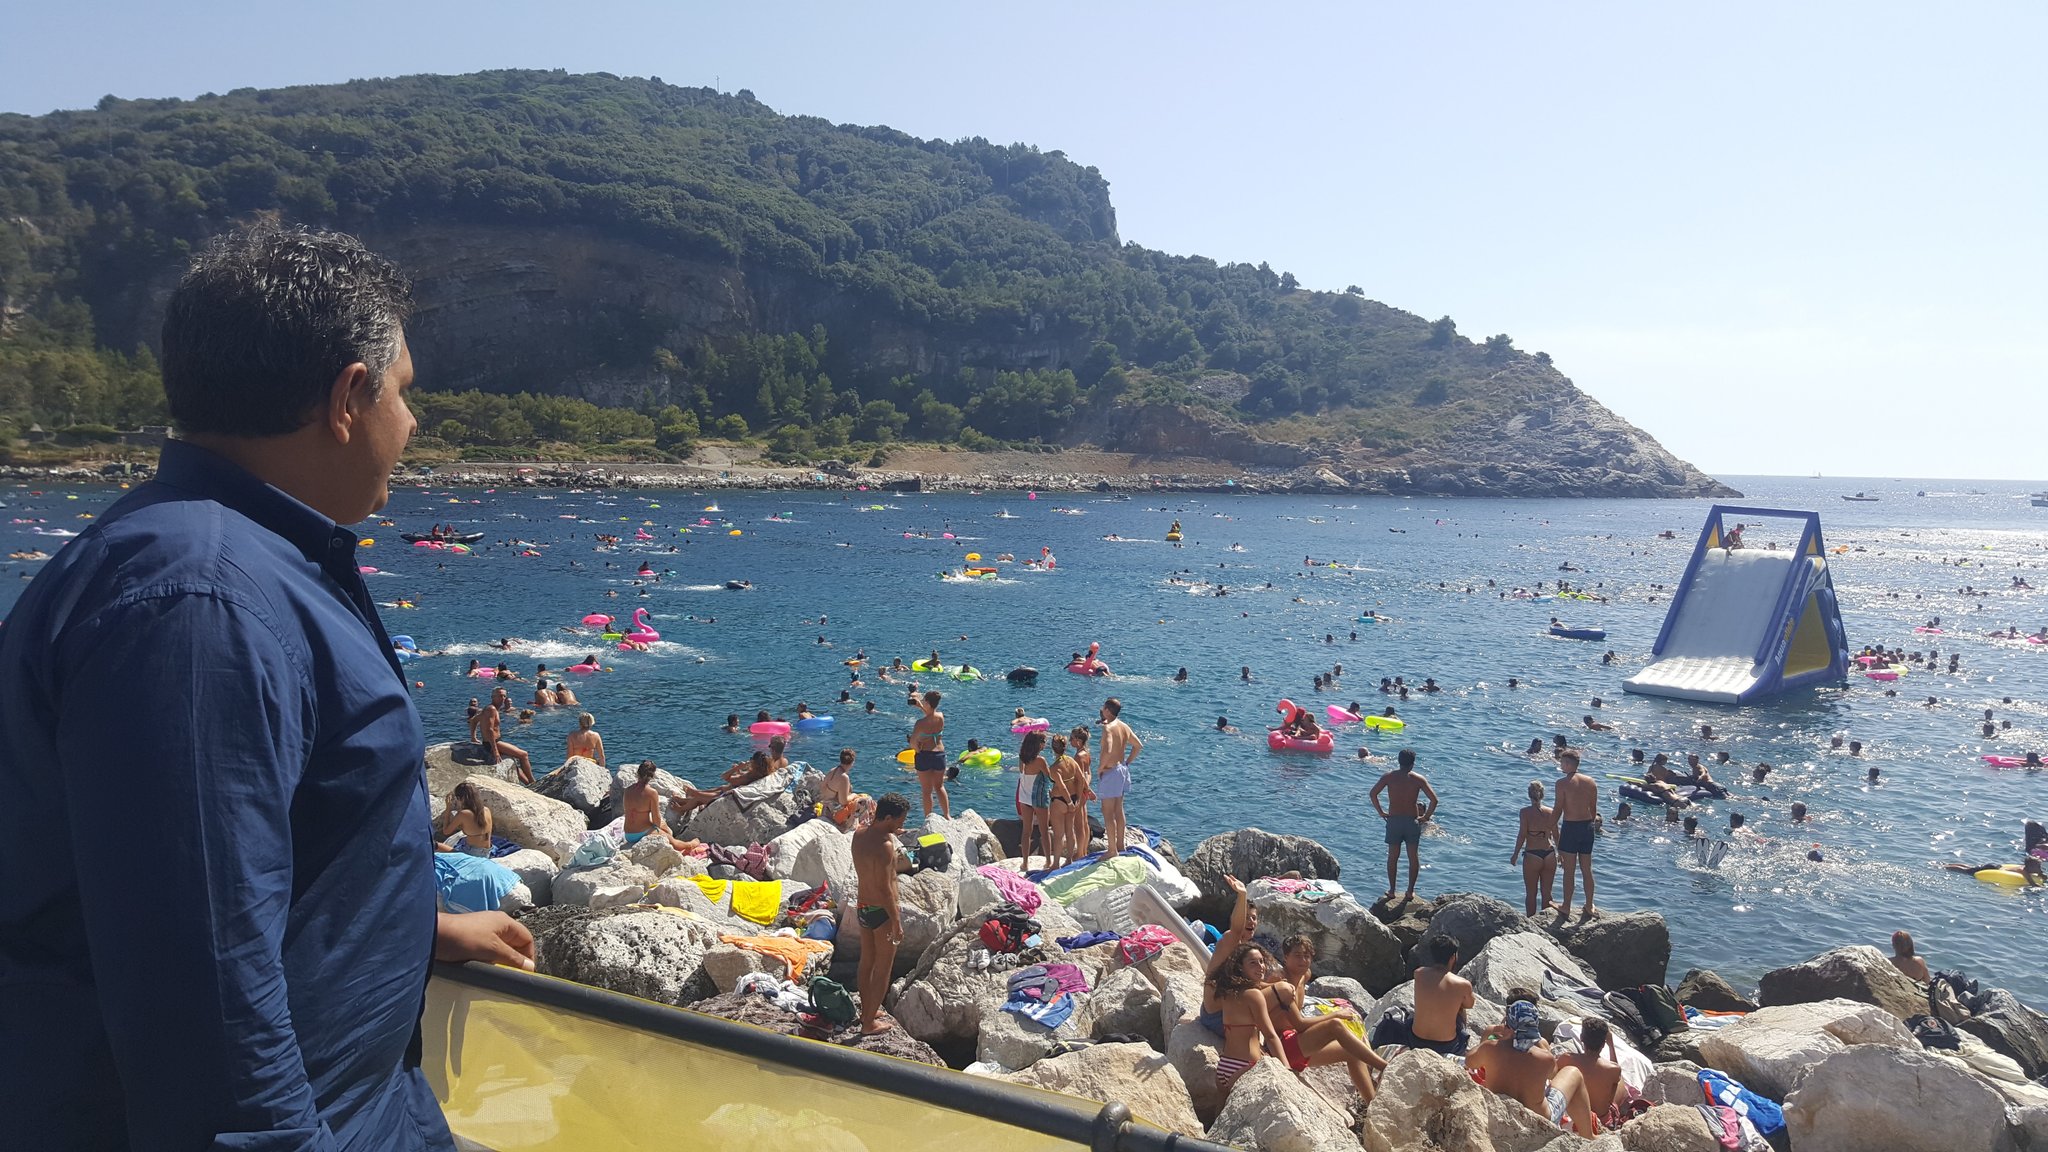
714, 890
757, 900
672, 910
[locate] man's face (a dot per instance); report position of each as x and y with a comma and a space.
385, 426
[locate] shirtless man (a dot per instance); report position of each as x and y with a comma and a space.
542, 698
876, 861
1403, 786
564, 695
1441, 1000
484, 729
1902, 957
501, 699
1120, 746
1578, 807
1605, 1097
585, 741
1513, 1061
643, 811
928, 753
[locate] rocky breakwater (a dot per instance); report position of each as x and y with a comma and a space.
1837, 1057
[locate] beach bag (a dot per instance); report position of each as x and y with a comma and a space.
1933, 1032
1660, 1007
1622, 1009
832, 1002
1392, 1029
997, 937
934, 851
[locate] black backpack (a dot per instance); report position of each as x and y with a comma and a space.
1628, 1016
933, 852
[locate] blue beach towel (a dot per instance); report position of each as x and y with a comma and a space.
1764, 1115
471, 883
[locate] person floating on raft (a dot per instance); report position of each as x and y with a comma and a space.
1089, 665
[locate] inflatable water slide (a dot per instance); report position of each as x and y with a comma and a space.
1748, 622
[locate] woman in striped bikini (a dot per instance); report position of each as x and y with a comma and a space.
1248, 1031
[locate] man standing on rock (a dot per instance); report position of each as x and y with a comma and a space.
1578, 809
1120, 746
259, 983
876, 860
1403, 786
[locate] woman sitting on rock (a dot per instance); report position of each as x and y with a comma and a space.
1248, 1031
1312, 1042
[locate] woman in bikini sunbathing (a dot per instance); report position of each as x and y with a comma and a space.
1536, 847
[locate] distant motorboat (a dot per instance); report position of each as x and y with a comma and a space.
2039, 499
1860, 498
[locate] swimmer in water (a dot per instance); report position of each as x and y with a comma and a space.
1223, 724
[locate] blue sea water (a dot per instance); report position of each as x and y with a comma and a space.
1410, 560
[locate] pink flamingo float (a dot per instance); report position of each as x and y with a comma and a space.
642, 634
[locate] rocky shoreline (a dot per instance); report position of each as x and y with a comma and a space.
1828, 1038
1193, 476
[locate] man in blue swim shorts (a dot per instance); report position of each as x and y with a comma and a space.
1404, 787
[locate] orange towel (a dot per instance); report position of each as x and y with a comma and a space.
791, 950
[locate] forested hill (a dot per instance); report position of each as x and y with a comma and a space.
713, 266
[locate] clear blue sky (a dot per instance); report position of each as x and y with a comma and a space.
1781, 238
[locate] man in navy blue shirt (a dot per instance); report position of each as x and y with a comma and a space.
219, 906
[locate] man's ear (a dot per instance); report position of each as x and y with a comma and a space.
347, 398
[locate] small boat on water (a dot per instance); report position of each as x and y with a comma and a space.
2039, 499
445, 538
1860, 498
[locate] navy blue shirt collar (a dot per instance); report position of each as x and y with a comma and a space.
190, 468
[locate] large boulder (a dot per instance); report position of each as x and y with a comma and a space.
1898, 1099
579, 783
1520, 960
1349, 939
1669, 1128
1409, 919
652, 954
974, 844
1177, 973
731, 821
1704, 989
1248, 854
451, 764
812, 853
2012, 1030
531, 820
1859, 972
1131, 1074
1427, 1103
536, 871
761, 1012
1193, 1051
1124, 1003
1674, 1082
1014, 1043
944, 999
1270, 1109
1773, 1049
1343, 988
657, 855
1473, 920
1623, 951
607, 884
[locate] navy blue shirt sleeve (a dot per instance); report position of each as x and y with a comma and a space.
179, 793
